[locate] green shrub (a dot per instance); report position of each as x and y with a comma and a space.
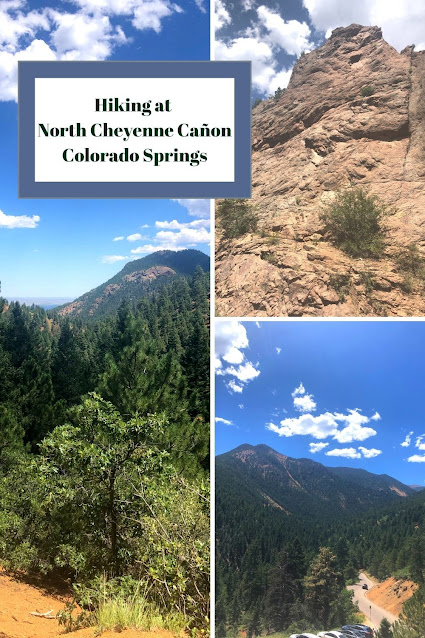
368, 281
341, 284
367, 91
236, 217
410, 260
355, 222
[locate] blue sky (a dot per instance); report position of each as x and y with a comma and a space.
62, 248
274, 33
341, 393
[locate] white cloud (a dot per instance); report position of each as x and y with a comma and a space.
419, 444
291, 36
347, 452
416, 458
147, 249
150, 13
257, 323
376, 417
245, 372
299, 390
265, 76
354, 430
305, 403
89, 33
120, 238
369, 453
112, 259
325, 425
317, 447
241, 406
185, 237
175, 225
319, 427
230, 341
230, 335
18, 221
219, 419
222, 16
234, 387
37, 50
402, 22
195, 207
261, 44
407, 440
278, 350
145, 226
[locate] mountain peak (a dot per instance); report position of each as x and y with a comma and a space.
351, 115
138, 278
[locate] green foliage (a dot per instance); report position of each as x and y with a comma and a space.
278, 93
323, 585
411, 263
411, 623
256, 102
236, 218
354, 220
111, 489
367, 91
341, 284
385, 629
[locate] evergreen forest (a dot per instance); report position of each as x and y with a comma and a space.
285, 568
104, 453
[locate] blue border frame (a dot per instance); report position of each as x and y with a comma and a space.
28, 187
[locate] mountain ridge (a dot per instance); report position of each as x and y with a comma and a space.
136, 279
303, 486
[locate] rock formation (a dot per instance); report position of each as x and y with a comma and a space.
319, 136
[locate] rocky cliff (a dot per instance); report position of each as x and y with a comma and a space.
322, 134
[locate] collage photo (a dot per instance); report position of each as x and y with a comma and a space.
211, 420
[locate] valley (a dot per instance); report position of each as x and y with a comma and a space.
286, 526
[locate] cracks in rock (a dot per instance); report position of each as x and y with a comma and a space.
408, 112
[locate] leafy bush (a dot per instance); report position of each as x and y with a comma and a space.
355, 222
236, 217
341, 284
410, 260
367, 91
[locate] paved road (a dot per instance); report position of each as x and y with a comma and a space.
373, 613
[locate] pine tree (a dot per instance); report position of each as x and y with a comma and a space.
385, 629
323, 585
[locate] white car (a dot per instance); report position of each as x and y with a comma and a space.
304, 635
331, 634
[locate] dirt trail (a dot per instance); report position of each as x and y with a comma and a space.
19, 598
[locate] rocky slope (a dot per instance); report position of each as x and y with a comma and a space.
137, 279
320, 136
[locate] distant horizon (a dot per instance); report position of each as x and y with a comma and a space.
19, 296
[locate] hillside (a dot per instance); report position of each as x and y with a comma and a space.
302, 487
137, 279
352, 114
283, 523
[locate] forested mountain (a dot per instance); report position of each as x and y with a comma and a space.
137, 279
303, 487
104, 447
281, 522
